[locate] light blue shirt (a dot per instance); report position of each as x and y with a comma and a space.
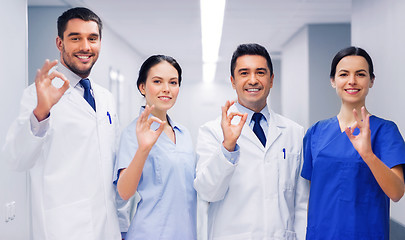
233, 156
167, 209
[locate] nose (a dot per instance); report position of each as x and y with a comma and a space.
352, 80
252, 79
165, 87
85, 45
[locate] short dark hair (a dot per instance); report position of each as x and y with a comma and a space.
82, 13
152, 61
351, 51
250, 49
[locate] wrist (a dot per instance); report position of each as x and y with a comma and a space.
229, 145
367, 156
40, 114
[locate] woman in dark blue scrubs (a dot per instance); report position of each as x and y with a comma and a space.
354, 160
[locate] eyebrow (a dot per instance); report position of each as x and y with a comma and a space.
257, 69
76, 34
360, 70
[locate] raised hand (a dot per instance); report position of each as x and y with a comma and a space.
147, 137
47, 94
231, 131
361, 142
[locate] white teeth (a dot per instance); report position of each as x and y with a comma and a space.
83, 57
253, 90
352, 90
164, 98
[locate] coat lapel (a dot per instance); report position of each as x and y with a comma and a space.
78, 101
275, 129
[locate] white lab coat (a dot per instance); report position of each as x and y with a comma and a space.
262, 195
70, 168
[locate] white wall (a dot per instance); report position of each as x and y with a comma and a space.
295, 78
307, 95
13, 69
325, 40
379, 28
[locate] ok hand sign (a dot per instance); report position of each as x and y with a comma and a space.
147, 137
361, 142
231, 132
47, 94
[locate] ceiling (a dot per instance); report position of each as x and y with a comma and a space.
174, 27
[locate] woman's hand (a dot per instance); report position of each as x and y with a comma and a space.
391, 180
146, 136
231, 132
361, 142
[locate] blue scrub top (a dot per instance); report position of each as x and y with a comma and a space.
167, 209
345, 200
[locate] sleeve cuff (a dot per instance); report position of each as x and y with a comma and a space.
232, 157
39, 129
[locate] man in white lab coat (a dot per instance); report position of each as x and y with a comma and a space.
249, 164
66, 136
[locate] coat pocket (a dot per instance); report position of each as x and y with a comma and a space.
70, 222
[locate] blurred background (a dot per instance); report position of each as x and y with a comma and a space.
302, 37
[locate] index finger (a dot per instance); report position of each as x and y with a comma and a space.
48, 65
226, 107
366, 116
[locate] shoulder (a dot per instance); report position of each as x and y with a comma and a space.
212, 125
99, 89
383, 127
211, 128
380, 122
286, 123
322, 125
130, 130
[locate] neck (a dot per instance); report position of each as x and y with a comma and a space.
162, 115
255, 108
346, 112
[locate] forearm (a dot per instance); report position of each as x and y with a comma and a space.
390, 180
214, 172
129, 178
22, 147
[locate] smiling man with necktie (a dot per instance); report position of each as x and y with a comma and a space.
69, 147
250, 158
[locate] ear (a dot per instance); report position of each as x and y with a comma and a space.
233, 82
332, 82
271, 80
142, 89
59, 43
371, 82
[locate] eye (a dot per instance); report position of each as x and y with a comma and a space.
156, 81
74, 39
361, 74
93, 39
342, 74
244, 73
261, 73
173, 82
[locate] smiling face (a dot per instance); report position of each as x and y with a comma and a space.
161, 87
352, 80
80, 46
252, 81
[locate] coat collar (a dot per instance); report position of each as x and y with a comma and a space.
276, 126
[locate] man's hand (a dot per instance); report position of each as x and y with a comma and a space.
47, 94
231, 132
